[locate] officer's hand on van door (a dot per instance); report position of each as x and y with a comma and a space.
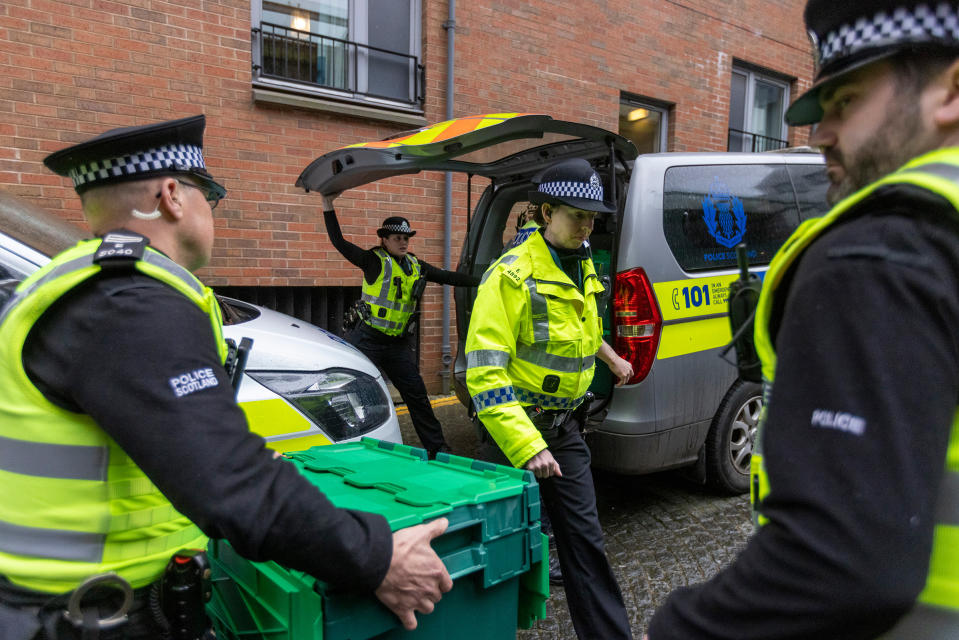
328, 199
417, 578
543, 465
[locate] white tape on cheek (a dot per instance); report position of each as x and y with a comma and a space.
153, 215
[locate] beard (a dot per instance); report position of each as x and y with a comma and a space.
899, 138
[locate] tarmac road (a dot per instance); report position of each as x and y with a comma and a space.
662, 531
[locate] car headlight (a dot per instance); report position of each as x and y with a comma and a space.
344, 402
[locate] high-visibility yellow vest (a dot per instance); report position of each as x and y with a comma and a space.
532, 341
390, 296
936, 613
73, 504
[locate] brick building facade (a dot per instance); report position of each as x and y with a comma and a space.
284, 82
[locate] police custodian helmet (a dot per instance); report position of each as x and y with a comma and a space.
850, 34
134, 153
571, 182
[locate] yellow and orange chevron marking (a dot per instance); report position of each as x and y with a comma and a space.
441, 131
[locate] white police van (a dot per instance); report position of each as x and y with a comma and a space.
302, 385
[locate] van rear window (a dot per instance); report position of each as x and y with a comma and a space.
708, 210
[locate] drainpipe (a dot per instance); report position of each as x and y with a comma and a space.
446, 357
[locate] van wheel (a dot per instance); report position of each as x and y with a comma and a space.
729, 443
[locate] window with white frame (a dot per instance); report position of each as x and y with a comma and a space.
365, 51
757, 104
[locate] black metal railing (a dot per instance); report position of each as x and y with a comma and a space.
333, 63
746, 141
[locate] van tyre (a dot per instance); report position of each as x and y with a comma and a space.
729, 443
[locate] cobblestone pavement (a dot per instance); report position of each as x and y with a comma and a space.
662, 531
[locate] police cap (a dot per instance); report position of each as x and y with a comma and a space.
395, 224
571, 182
134, 153
850, 34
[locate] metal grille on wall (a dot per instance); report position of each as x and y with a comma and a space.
322, 306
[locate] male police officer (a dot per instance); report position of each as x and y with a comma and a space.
530, 351
856, 487
120, 441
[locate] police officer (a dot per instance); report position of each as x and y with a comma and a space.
856, 472
533, 337
120, 440
393, 278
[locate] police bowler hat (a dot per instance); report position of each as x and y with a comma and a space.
571, 182
395, 224
850, 34
174, 147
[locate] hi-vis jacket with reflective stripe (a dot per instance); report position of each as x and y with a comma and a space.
73, 504
532, 340
936, 614
391, 306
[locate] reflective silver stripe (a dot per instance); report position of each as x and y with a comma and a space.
387, 275
64, 461
487, 358
564, 364
55, 544
160, 260
389, 304
540, 312
941, 169
384, 324
947, 510
507, 259
72, 265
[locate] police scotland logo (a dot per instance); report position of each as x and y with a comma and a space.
724, 215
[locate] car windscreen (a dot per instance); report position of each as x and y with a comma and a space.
708, 210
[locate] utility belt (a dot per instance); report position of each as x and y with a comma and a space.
550, 421
106, 607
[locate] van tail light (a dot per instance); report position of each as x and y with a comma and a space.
637, 322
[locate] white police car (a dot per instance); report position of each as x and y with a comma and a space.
302, 386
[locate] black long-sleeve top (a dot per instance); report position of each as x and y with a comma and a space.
110, 349
369, 262
868, 328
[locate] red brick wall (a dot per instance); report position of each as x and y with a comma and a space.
70, 69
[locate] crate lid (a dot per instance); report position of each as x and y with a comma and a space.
400, 483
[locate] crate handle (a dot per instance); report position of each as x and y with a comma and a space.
465, 561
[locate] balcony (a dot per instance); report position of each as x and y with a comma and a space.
746, 141
342, 68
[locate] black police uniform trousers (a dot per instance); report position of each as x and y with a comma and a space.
592, 594
395, 356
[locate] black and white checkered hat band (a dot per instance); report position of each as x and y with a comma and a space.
180, 157
917, 25
398, 228
567, 189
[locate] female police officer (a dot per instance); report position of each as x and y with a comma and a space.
533, 338
392, 285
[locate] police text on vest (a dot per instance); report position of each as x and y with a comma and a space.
187, 383
839, 421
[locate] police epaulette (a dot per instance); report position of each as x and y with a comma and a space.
120, 247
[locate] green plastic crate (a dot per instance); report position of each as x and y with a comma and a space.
493, 549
